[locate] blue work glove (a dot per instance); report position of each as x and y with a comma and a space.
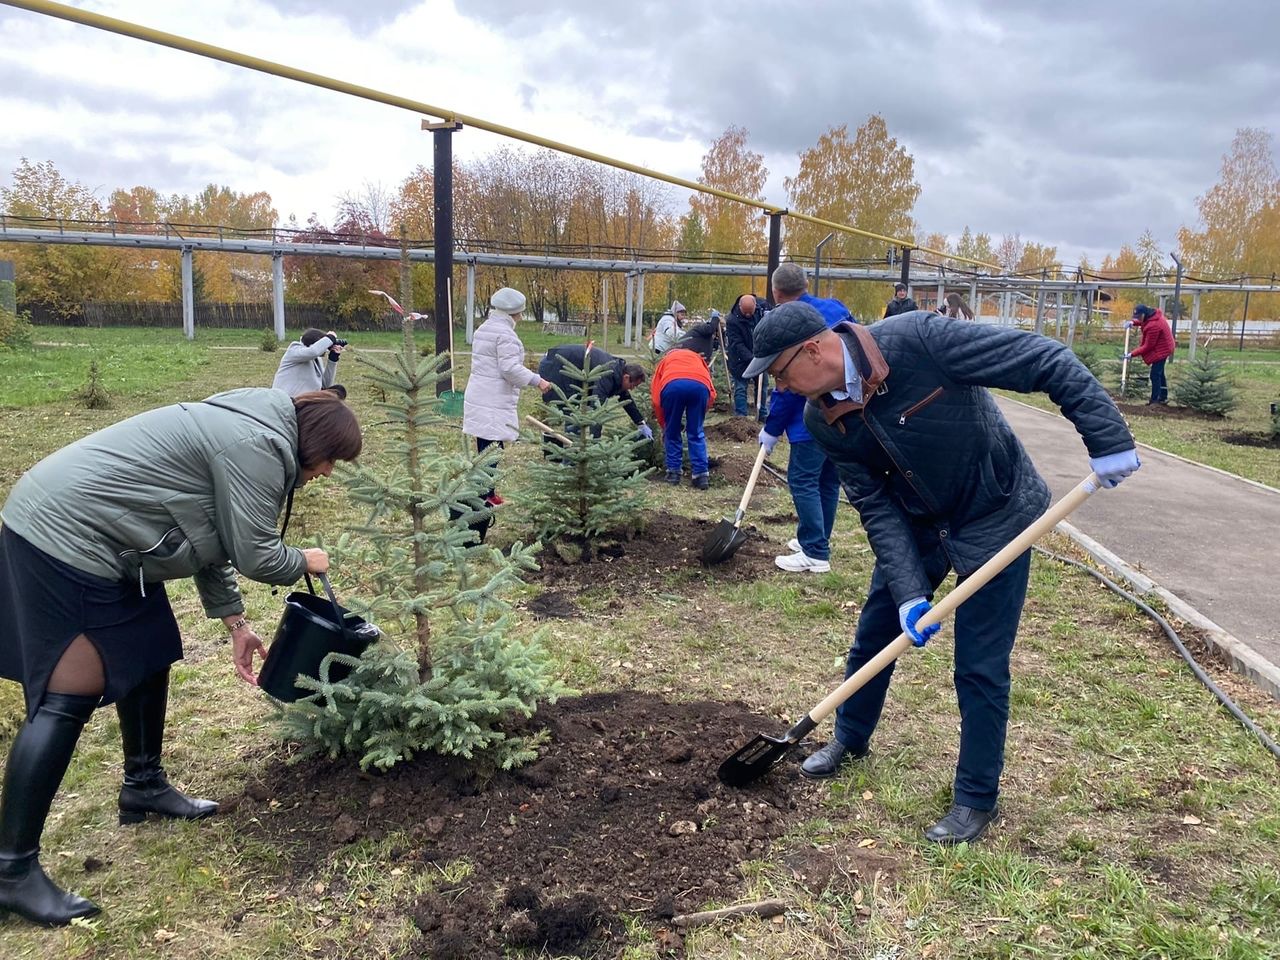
645, 431
1114, 467
768, 441
909, 613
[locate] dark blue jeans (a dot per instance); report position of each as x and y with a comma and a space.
740, 408
684, 408
1159, 388
815, 490
985, 626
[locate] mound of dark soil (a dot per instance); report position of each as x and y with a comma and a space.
622, 814
553, 604
738, 429
1252, 440
668, 543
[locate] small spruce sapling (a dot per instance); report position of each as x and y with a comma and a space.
591, 486
450, 675
1204, 385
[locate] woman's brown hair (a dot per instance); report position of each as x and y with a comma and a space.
327, 429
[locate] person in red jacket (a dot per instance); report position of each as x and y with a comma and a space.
1156, 347
682, 391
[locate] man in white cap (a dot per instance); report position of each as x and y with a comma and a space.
498, 374
669, 327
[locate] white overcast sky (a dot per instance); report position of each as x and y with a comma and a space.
1075, 124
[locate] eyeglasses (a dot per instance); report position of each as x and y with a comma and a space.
783, 368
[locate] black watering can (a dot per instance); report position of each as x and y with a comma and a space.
311, 628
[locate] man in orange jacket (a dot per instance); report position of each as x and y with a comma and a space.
682, 391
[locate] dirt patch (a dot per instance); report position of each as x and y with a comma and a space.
1164, 410
738, 429
668, 544
551, 604
777, 518
1252, 440
622, 814
816, 869
735, 469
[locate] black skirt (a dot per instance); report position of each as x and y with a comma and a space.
45, 604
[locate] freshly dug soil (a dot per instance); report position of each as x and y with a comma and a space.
1252, 440
553, 604
1164, 410
668, 543
738, 429
622, 814
736, 471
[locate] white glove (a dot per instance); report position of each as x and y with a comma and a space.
1128, 324
646, 431
768, 441
1114, 467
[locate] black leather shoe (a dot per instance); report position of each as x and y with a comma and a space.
962, 825
826, 763
162, 799
37, 761
701, 481
28, 892
673, 477
146, 789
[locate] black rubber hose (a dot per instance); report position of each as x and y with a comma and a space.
1169, 632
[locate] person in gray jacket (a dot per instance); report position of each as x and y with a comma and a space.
303, 367
91, 533
940, 482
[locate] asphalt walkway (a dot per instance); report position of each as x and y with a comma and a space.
1204, 540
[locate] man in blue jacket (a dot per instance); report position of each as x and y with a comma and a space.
811, 476
940, 482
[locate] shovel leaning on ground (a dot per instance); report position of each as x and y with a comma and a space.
723, 542
754, 760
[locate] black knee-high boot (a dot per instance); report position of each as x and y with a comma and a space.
145, 789
39, 758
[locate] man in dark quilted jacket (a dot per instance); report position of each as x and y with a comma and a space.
941, 483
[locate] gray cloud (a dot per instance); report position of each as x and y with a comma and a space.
1076, 125
366, 17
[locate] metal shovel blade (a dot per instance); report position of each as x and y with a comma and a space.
722, 542
754, 760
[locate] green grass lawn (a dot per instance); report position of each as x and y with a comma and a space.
1140, 821
1257, 385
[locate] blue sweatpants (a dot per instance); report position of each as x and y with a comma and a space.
684, 408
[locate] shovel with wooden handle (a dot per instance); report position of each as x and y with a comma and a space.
560, 438
723, 542
1124, 365
754, 760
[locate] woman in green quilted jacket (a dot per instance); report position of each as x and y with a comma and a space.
90, 535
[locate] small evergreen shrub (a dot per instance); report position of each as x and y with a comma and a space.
268, 343
1089, 355
448, 677
591, 486
1204, 385
93, 395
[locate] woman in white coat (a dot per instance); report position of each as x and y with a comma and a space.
497, 375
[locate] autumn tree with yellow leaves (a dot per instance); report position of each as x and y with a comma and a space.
867, 181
